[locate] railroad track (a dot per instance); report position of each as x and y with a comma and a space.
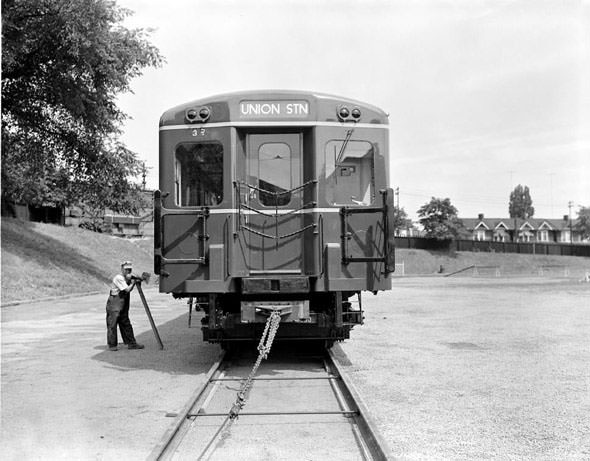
301, 406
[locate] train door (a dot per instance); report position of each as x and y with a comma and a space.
274, 171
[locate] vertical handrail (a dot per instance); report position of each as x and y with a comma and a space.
385, 230
387, 245
239, 202
204, 237
226, 246
277, 222
159, 213
344, 235
157, 231
321, 244
388, 230
157, 217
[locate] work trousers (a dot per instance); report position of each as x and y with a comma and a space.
118, 314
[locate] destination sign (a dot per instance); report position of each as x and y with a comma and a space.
274, 109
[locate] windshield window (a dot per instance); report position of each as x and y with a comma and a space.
350, 180
199, 174
274, 172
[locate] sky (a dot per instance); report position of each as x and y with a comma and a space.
481, 95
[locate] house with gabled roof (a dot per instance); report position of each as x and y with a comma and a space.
544, 230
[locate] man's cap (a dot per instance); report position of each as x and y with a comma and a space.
126, 265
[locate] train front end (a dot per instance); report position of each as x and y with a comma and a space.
274, 202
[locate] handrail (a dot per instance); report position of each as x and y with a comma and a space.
321, 244
299, 231
346, 236
305, 206
283, 236
159, 213
262, 234
227, 244
237, 186
302, 207
295, 189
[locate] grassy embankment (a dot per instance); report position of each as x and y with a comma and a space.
489, 264
44, 260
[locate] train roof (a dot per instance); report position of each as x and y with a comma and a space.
269, 105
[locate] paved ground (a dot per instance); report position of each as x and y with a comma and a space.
467, 368
64, 396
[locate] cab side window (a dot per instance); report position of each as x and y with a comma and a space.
350, 173
199, 174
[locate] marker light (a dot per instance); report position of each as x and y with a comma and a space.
204, 113
347, 115
198, 114
343, 112
191, 115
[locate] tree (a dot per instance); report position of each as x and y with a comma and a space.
439, 219
583, 223
400, 219
521, 204
63, 65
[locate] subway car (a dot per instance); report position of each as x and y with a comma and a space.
274, 201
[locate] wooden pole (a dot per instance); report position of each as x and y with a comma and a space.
149, 314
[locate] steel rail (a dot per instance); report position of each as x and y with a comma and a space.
277, 413
376, 445
370, 443
278, 379
163, 449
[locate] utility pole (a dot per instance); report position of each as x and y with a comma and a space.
570, 204
551, 190
396, 211
143, 175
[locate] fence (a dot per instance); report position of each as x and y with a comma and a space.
559, 249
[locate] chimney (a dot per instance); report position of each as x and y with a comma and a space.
480, 216
565, 217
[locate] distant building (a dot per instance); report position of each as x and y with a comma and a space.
141, 225
46, 212
409, 230
129, 226
543, 230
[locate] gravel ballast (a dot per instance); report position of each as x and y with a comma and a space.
477, 368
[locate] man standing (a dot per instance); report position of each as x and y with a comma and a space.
118, 309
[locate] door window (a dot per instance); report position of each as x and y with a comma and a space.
274, 173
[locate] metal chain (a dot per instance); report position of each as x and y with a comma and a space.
268, 336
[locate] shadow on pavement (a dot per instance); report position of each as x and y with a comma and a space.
184, 350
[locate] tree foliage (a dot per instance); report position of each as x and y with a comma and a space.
521, 204
400, 219
583, 224
63, 65
439, 219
